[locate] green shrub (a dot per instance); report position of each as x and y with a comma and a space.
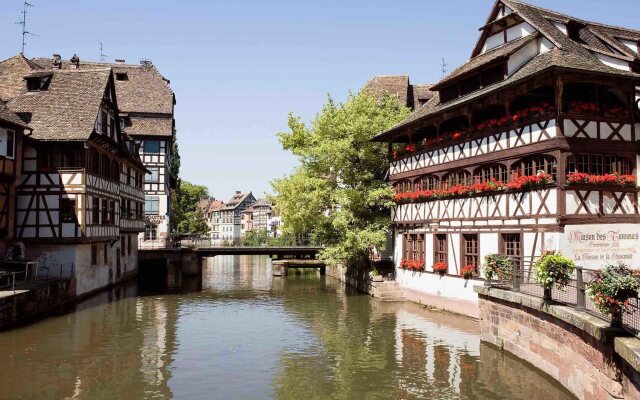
553, 268
497, 265
612, 287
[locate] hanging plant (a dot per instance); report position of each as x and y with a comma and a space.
611, 289
553, 269
498, 266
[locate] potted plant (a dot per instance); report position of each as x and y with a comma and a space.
469, 272
553, 269
375, 276
440, 268
496, 265
611, 289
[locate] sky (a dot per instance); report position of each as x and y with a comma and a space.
239, 67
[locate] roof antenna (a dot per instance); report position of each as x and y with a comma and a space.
444, 67
23, 22
103, 56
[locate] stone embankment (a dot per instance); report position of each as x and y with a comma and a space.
578, 350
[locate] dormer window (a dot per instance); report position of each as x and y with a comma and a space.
122, 76
38, 83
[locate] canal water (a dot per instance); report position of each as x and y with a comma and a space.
239, 333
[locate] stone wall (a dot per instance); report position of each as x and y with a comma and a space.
27, 305
571, 346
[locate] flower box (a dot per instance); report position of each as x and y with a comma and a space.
617, 180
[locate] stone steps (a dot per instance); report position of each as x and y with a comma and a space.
387, 291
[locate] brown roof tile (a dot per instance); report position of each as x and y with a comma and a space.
67, 110
12, 71
156, 126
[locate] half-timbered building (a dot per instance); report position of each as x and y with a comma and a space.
532, 145
230, 215
79, 199
12, 130
146, 103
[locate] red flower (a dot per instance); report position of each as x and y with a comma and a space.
440, 268
602, 180
469, 271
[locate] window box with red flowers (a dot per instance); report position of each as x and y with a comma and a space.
454, 191
469, 272
527, 182
440, 268
412, 265
615, 180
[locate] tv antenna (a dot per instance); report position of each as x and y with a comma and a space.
444, 67
23, 23
103, 56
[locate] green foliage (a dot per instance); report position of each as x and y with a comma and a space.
338, 194
553, 268
612, 287
188, 219
497, 265
174, 167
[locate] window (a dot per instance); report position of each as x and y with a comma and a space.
122, 244
512, 246
457, 178
534, 165
470, 250
152, 146
151, 205
11, 137
599, 164
153, 176
403, 187
488, 173
105, 253
129, 244
112, 212
150, 232
413, 247
427, 183
440, 247
94, 254
128, 175
68, 210
95, 210
105, 212
122, 76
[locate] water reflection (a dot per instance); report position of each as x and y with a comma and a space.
247, 335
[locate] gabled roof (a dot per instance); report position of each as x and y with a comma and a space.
10, 118
399, 86
67, 110
12, 70
566, 53
237, 198
145, 90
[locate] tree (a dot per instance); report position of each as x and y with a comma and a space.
187, 216
339, 194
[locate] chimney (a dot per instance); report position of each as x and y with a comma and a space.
75, 61
120, 61
238, 192
57, 61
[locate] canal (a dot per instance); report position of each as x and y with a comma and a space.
239, 333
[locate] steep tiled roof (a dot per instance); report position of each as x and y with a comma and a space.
567, 54
12, 71
67, 110
486, 58
399, 86
237, 198
157, 126
10, 118
145, 90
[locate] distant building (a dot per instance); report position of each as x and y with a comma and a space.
411, 96
215, 221
230, 215
207, 207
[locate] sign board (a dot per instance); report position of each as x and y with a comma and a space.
596, 246
154, 219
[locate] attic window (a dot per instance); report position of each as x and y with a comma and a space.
39, 83
122, 76
573, 31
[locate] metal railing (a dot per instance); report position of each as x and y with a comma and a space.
279, 241
574, 295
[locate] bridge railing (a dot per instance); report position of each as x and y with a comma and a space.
280, 241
